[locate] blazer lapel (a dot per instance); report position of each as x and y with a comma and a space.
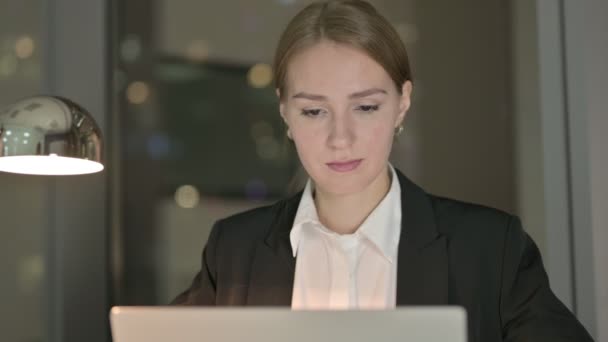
422, 262
273, 265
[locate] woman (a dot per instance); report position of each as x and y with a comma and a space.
361, 235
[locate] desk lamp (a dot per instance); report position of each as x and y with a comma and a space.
49, 135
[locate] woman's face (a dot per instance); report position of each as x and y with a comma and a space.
342, 109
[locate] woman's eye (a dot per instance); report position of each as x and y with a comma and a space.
311, 112
368, 108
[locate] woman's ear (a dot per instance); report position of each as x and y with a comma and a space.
405, 102
281, 105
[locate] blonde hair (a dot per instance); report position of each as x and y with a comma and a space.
354, 23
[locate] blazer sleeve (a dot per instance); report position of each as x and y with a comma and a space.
204, 286
529, 310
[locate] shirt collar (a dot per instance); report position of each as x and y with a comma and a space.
307, 213
382, 227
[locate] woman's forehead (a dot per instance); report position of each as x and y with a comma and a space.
330, 65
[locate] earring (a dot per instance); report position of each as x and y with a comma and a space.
289, 134
398, 130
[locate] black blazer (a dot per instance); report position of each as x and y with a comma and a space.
450, 253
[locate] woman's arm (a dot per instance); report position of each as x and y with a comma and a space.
203, 288
529, 310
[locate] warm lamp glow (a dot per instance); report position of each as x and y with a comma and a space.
52, 165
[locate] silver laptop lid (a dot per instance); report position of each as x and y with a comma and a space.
192, 324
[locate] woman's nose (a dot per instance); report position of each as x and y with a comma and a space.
341, 133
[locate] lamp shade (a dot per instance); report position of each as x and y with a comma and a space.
49, 135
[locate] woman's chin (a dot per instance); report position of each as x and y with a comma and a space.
340, 186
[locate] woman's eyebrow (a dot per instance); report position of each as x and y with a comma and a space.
367, 92
308, 96
357, 95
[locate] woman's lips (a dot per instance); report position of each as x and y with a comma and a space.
345, 166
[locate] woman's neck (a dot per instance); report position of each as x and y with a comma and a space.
344, 214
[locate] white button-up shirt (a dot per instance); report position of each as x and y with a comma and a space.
352, 271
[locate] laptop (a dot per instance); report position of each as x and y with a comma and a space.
196, 324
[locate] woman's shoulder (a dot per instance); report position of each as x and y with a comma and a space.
460, 218
256, 222
455, 217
